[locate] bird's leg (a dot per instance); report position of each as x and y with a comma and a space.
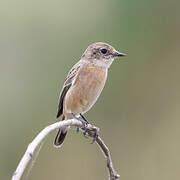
84, 118
95, 132
85, 131
84, 122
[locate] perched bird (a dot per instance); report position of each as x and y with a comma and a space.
84, 84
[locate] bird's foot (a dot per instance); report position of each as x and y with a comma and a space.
85, 129
84, 122
95, 136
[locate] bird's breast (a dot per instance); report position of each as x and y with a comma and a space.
86, 88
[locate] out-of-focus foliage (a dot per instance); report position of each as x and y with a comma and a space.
139, 110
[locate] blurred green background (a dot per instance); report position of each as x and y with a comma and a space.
138, 112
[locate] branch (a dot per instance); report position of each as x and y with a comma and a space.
41, 136
112, 173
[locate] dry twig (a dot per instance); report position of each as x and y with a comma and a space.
41, 136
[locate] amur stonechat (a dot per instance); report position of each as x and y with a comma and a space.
84, 84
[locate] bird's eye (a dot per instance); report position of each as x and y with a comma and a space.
103, 51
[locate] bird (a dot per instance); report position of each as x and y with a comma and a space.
84, 84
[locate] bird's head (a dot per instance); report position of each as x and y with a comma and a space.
101, 54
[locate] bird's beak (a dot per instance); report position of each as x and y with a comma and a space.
118, 54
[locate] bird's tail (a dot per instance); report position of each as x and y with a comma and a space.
60, 136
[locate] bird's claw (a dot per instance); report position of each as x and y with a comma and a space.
95, 136
84, 133
84, 127
85, 124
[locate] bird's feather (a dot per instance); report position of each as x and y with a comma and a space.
67, 84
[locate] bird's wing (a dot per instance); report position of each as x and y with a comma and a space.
67, 84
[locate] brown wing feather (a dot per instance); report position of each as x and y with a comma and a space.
63, 93
67, 84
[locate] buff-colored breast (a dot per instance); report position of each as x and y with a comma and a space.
85, 90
